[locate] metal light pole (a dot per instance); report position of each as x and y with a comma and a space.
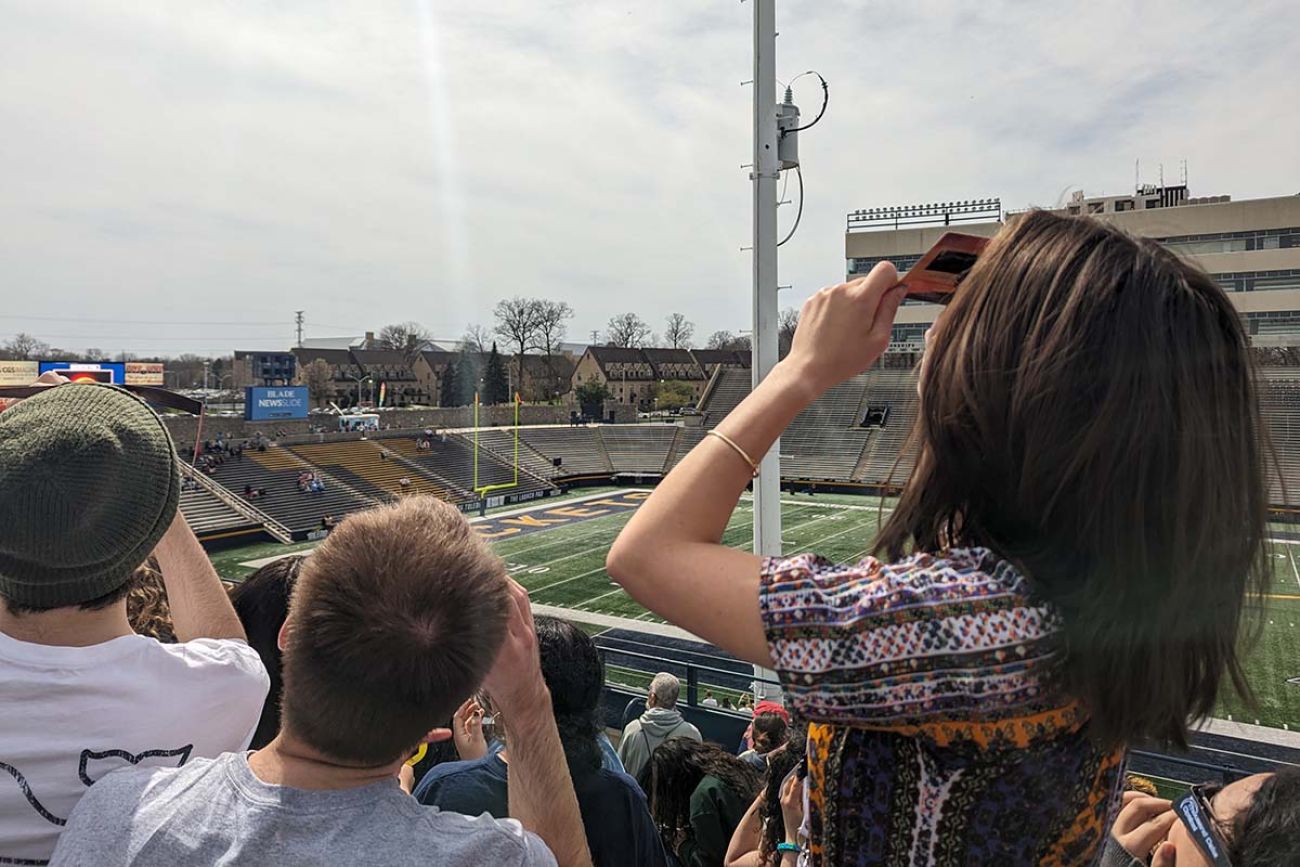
764, 174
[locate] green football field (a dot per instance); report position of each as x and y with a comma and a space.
564, 566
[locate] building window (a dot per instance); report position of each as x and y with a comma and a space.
1123, 205
1096, 207
1074, 210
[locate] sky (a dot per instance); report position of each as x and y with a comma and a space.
182, 177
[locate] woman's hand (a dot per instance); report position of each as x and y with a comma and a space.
467, 727
792, 805
1143, 824
844, 328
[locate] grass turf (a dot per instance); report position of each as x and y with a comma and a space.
565, 567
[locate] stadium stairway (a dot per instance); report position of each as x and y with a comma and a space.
276, 470
361, 464
213, 512
501, 442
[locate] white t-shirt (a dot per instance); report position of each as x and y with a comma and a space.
69, 715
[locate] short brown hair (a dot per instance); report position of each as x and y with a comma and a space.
394, 621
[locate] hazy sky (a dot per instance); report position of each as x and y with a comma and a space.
164, 164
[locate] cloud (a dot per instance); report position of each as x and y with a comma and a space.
379, 162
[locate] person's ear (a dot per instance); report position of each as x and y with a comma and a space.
436, 735
283, 637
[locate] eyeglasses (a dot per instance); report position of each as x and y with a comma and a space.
158, 397
937, 274
1194, 811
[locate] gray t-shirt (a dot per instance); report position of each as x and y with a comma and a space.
216, 811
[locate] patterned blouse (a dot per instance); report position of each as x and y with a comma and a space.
934, 739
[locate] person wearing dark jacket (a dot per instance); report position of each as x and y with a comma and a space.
698, 794
614, 812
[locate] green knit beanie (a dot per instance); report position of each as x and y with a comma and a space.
88, 485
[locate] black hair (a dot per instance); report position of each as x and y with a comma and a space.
677, 766
769, 731
575, 675
1267, 833
780, 762
262, 603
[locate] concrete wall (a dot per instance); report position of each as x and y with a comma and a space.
183, 427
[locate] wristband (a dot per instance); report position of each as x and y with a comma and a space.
788, 847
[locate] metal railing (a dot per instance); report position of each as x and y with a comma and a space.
1145, 761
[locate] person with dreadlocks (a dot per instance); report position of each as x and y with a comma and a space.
698, 794
768, 835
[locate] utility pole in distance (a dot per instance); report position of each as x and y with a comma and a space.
297, 318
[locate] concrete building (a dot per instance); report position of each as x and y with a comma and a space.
1251, 247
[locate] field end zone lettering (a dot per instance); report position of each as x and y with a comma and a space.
619, 503
530, 521
578, 513
638, 495
508, 531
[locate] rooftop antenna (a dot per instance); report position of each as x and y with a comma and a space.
1162, 176
1184, 172
1137, 175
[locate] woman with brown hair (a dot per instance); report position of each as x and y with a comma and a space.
1065, 571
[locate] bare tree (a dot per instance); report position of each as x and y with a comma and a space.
679, 331
552, 317
628, 330
727, 340
319, 380
23, 346
518, 321
786, 324
476, 339
408, 338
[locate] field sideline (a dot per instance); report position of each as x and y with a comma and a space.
563, 565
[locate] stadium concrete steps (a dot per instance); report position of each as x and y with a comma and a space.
500, 444
373, 473
277, 471
197, 507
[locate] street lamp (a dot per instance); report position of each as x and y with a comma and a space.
359, 380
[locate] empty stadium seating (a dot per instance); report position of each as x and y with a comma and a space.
580, 449
895, 389
730, 388
360, 464
452, 459
639, 449
208, 516
501, 442
276, 470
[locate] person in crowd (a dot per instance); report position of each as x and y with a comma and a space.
262, 603
709, 700
768, 731
146, 604
1053, 535
82, 693
1252, 822
395, 620
698, 794
614, 812
726, 703
764, 707
768, 835
248, 492
661, 720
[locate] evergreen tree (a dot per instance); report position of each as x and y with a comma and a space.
450, 393
496, 385
469, 371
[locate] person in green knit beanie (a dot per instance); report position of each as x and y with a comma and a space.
89, 487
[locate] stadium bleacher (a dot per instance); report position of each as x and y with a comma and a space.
639, 449
452, 459
580, 450
210, 517
360, 464
276, 470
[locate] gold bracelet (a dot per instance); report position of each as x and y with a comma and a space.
737, 449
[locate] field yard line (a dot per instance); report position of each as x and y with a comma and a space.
749, 498
750, 540
823, 539
535, 590
614, 622
1291, 559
